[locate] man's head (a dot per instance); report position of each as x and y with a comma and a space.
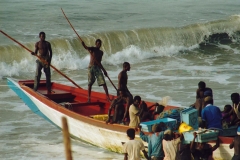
168, 135
136, 101
126, 66
208, 100
207, 93
227, 108
98, 43
201, 85
235, 98
143, 106
131, 133
156, 128
42, 36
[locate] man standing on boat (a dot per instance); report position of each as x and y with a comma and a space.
45, 52
123, 78
95, 68
122, 85
199, 104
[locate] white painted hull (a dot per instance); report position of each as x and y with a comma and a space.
101, 137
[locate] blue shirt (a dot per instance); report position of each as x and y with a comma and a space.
154, 143
213, 116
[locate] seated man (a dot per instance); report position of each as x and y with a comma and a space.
134, 112
226, 118
211, 115
118, 106
234, 114
235, 109
145, 112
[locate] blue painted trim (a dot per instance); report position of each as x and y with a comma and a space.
17, 89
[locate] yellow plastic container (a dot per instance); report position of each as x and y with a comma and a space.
102, 117
184, 128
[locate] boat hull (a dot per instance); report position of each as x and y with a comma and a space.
85, 128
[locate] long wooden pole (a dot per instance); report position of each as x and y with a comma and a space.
82, 41
66, 139
43, 60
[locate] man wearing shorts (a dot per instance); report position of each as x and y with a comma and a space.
95, 68
44, 50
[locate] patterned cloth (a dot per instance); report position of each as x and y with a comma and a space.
94, 72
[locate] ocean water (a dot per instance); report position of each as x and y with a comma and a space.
170, 44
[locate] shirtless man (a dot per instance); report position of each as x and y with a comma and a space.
95, 68
236, 145
123, 78
122, 85
199, 104
235, 112
118, 106
45, 52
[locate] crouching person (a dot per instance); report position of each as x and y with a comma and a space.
132, 148
118, 106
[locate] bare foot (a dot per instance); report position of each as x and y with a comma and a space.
108, 121
50, 92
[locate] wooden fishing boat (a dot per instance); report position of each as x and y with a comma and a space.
70, 102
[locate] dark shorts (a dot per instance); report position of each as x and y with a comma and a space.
94, 73
236, 157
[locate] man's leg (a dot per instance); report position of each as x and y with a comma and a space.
37, 74
112, 106
89, 93
121, 111
91, 80
106, 91
101, 80
115, 115
48, 79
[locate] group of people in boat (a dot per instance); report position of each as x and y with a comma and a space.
166, 145
169, 145
131, 111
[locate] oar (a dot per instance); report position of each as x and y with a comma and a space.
82, 41
44, 61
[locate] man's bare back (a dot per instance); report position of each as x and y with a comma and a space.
122, 80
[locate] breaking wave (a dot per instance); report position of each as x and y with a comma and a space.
119, 46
